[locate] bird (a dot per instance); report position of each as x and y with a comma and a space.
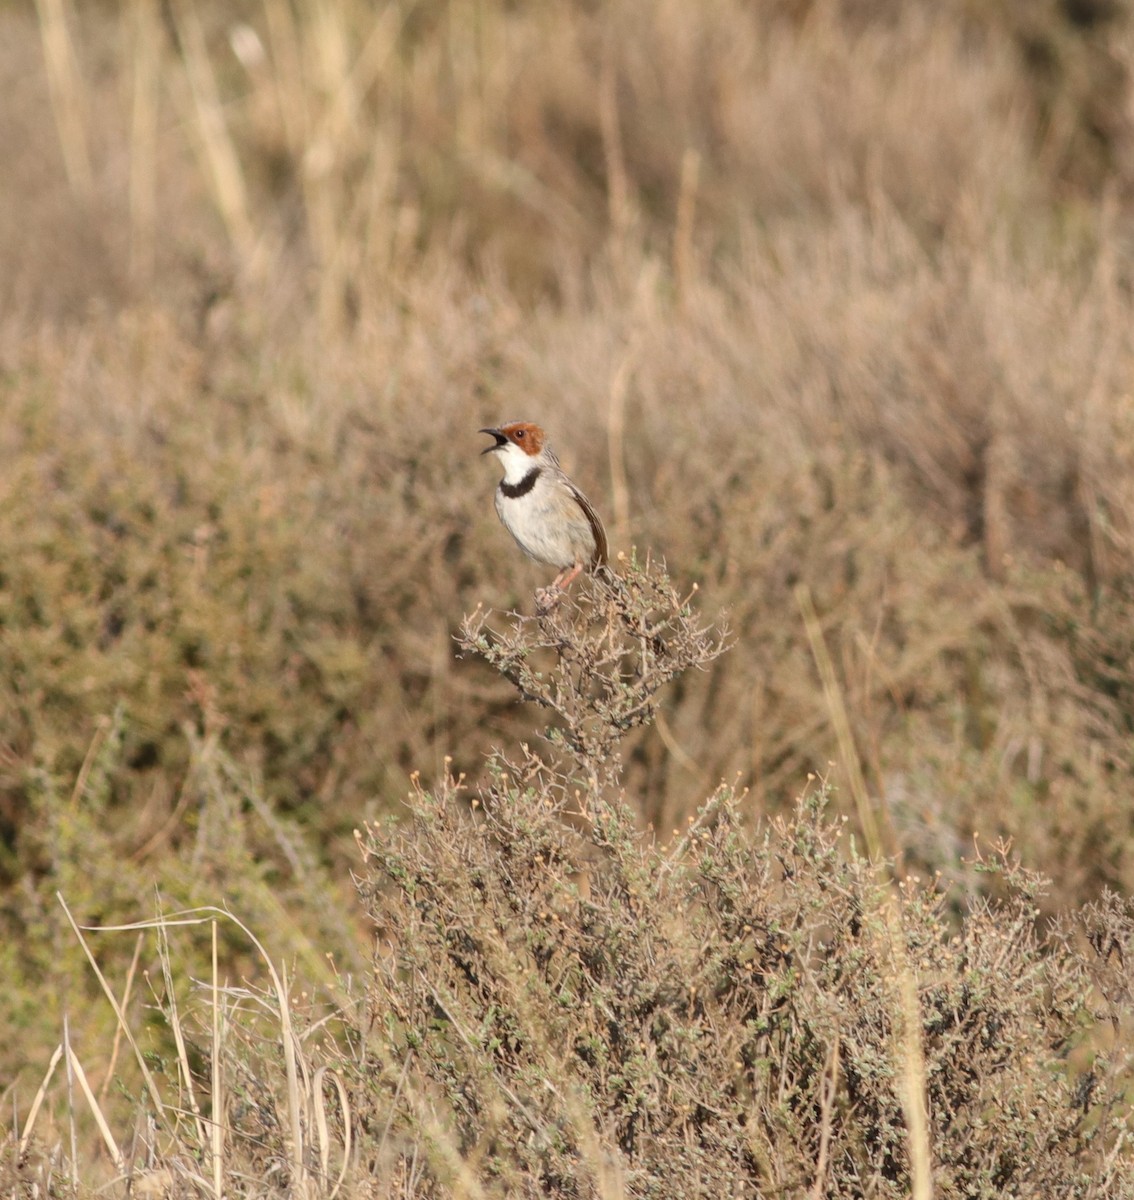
550, 518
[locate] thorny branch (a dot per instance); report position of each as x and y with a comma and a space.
599, 659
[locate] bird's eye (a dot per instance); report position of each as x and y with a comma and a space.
519, 434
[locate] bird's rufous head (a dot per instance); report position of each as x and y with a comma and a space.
522, 434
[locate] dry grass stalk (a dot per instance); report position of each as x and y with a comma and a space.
68, 93
214, 138
908, 1048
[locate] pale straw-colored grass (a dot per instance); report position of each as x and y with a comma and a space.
318, 1151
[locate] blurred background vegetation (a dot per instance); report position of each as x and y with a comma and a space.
834, 293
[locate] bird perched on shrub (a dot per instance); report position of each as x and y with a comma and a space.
550, 518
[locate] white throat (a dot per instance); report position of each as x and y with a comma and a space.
517, 462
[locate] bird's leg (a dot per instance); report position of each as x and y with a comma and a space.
566, 577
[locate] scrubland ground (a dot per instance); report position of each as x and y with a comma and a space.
828, 306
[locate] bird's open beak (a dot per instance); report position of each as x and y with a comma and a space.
501, 440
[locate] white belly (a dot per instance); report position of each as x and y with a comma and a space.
548, 524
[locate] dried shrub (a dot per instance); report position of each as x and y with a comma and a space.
564, 1006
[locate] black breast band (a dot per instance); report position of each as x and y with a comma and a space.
513, 490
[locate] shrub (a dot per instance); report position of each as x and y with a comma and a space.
566, 1006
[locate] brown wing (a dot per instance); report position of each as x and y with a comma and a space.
599, 558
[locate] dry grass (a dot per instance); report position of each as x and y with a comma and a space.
821, 295
238, 1101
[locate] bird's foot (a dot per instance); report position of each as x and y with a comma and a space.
547, 598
